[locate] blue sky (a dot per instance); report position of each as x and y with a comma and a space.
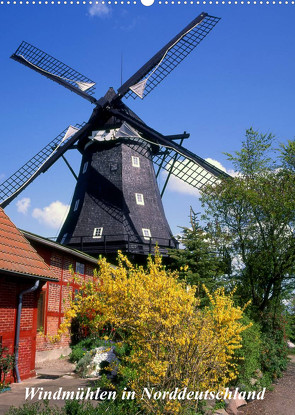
241, 75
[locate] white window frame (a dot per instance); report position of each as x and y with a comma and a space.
135, 161
146, 233
63, 238
97, 234
85, 167
139, 198
76, 205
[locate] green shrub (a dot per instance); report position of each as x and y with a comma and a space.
116, 407
274, 354
274, 357
76, 354
83, 364
250, 354
263, 348
6, 365
113, 407
36, 408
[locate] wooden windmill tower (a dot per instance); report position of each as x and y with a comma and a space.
117, 203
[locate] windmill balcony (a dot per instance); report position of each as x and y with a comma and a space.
127, 244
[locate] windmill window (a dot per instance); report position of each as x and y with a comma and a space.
139, 198
85, 167
63, 238
76, 205
80, 268
135, 161
146, 233
97, 232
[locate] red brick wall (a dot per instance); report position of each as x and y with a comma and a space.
57, 294
9, 290
56, 301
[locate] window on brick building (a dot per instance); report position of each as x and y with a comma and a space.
139, 198
41, 311
80, 268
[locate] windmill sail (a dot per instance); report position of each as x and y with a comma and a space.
186, 169
161, 64
55, 70
18, 181
117, 203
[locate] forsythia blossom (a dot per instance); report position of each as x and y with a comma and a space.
173, 342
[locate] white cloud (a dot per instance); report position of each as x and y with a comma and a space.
177, 185
52, 215
23, 205
99, 10
216, 164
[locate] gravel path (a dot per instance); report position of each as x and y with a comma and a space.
280, 401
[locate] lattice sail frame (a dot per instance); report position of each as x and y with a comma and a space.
165, 61
184, 169
21, 178
52, 66
175, 55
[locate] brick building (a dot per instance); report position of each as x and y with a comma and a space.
35, 285
20, 268
54, 295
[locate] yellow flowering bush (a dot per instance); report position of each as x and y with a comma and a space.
172, 342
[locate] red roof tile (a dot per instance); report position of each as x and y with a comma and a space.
16, 253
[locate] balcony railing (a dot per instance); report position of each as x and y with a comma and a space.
125, 243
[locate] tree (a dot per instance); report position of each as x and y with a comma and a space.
199, 262
288, 155
252, 216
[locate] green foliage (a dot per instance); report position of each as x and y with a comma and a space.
6, 365
264, 352
252, 216
248, 241
80, 349
115, 407
37, 408
290, 316
250, 354
199, 263
288, 155
274, 356
122, 407
83, 364
254, 154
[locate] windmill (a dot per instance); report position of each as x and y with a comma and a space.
117, 202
